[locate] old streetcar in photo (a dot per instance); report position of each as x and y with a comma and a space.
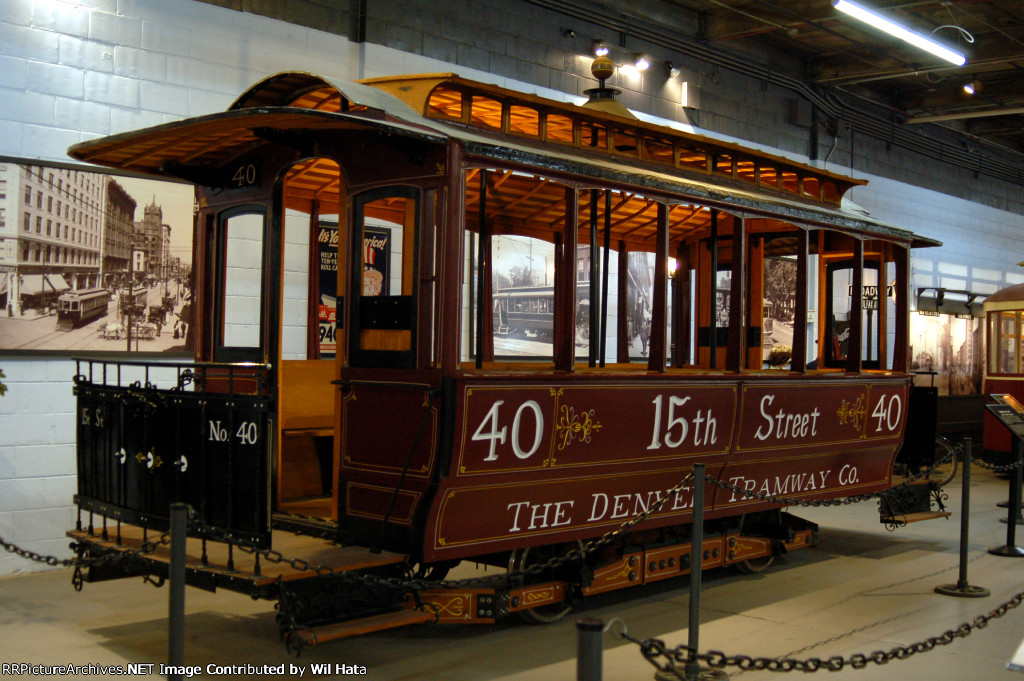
438, 320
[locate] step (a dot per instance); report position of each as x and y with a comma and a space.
309, 637
907, 518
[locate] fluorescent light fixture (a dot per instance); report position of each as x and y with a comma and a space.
894, 29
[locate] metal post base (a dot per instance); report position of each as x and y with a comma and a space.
677, 672
963, 590
1005, 504
1007, 551
1016, 521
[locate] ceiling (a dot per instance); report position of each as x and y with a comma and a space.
840, 52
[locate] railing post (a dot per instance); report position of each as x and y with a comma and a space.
962, 588
589, 648
176, 574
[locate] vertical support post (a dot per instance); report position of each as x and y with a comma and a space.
713, 297
622, 307
656, 357
738, 318
453, 239
962, 588
696, 569
1015, 484
1011, 550
853, 345
681, 308
604, 275
596, 327
565, 290
176, 574
483, 298
589, 648
798, 363
901, 349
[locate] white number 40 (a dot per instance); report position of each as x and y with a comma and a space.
888, 414
488, 430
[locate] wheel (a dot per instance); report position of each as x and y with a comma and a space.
946, 462
521, 559
755, 565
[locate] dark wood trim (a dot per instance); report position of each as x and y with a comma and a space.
853, 345
737, 297
799, 359
565, 296
901, 349
656, 359
622, 307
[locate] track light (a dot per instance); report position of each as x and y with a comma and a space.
898, 31
673, 70
971, 87
642, 63
600, 48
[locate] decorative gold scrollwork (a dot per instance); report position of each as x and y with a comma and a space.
534, 596
852, 412
454, 607
572, 426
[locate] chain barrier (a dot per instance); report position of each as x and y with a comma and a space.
1006, 468
654, 650
80, 561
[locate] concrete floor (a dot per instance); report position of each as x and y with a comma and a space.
862, 589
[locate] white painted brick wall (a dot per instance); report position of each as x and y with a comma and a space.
71, 71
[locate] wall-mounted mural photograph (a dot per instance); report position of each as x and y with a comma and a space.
93, 261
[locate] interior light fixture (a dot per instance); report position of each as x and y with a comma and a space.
898, 31
600, 48
673, 70
642, 63
969, 88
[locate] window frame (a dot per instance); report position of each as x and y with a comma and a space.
406, 305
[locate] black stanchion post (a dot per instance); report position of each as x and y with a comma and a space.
1011, 550
696, 569
692, 671
176, 579
962, 588
589, 648
1015, 484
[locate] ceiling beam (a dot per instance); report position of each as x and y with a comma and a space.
967, 114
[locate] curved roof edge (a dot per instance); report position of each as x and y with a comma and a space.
1013, 293
281, 89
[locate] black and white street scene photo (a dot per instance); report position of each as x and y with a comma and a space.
92, 262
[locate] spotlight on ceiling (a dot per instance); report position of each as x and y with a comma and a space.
600, 48
673, 70
971, 87
898, 31
642, 63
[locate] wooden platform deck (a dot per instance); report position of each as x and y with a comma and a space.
228, 568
